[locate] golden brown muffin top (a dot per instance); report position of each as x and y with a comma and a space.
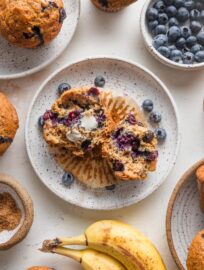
200, 173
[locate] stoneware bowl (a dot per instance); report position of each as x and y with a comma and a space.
147, 37
10, 238
124, 78
184, 217
19, 62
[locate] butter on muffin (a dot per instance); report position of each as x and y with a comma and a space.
195, 259
112, 5
28, 23
79, 121
40, 268
131, 150
8, 123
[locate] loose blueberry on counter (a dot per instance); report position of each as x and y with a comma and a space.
199, 56
189, 4
63, 87
148, 137
180, 43
171, 11
41, 121
183, 14
160, 6
153, 24
185, 31
147, 105
67, 179
195, 26
111, 188
173, 22
99, 81
200, 37
155, 117
118, 166
159, 41
163, 50
179, 3
160, 29
196, 48
195, 15
174, 33
160, 134
188, 58
176, 56
162, 18
152, 14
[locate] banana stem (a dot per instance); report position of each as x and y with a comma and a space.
71, 253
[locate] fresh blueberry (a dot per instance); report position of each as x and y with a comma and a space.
147, 105
176, 56
163, 18
41, 121
202, 16
160, 6
182, 14
199, 56
195, 26
174, 33
199, 5
185, 32
172, 47
179, 3
195, 15
111, 188
99, 81
67, 179
188, 58
196, 48
173, 22
168, 2
191, 41
159, 41
200, 37
189, 4
63, 15
153, 24
160, 29
180, 43
63, 87
160, 133
155, 117
148, 137
171, 11
164, 51
152, 14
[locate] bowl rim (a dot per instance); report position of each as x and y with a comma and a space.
145, 32
28, 209
183, 180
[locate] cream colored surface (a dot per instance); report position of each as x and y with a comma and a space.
101, 34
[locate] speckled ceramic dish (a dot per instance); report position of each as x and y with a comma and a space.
18, 62
148, 43
123, 78
184, 217
10, 238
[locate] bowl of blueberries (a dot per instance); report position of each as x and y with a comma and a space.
173, 31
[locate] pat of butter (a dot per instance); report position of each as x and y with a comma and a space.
74, 135
88, 122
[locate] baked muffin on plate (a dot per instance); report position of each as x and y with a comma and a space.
8, 123
28, 23
112, 5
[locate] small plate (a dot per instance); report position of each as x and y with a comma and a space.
184, 217
19, 62
123, 78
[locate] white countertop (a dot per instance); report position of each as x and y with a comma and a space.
99, 33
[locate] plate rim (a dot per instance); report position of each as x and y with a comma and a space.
49, 61
132, 63
182, 181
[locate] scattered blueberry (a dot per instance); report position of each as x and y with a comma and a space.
195, 14
200, 37
153, 24
188, 58
118, 166
195, 26
155, 117
182, 14
189, 4
99, 81
160, 134
152, 14
196, 48
160, 29
41, 121
171, 11
147, 105
180, 43
179, 3
163, 50
160, 6
67, 179
173, 22
185, 31
162, 18
199, 56
176, 56
174, 33
63, 87
159, 41
148, 137
111, 188
191, 41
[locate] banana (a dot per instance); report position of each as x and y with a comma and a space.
89, 259
120, 241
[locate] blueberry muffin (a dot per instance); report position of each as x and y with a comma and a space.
112, 5
79, 121
131, 150
8, 123
28, 23
40, 268
195, 259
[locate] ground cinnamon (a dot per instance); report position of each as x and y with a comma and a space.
10, 214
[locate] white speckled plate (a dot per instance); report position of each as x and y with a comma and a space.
18, 62
123, 78
184, 217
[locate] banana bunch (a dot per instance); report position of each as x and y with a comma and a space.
111, 245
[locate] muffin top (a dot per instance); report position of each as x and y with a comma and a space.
40, 268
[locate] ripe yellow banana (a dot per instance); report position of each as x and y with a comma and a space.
120, 241
89, 259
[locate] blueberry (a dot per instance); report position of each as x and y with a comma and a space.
163, 18
180, 43
147, 105
148, 137
172, 47
86, 145
202, 16
155, 117
195, 26
188, 58
189, 4
160, 133
199, 56
185, 31
199, 5
174, 33
63, 15
151, 156
160, 6
159, 41
163, 50
182, 14
191, 41
67, 179
99, 81
173, 22
160, 29
179, 3
118, 166
41, 121
153, 24
169, 2
200, 37
194, 14
171, 11
152, 14
111, 188
63, 87
196, 48
176, 56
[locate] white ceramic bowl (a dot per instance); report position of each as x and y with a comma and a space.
147, 37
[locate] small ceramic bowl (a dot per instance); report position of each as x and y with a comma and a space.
10, 238
147, 36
